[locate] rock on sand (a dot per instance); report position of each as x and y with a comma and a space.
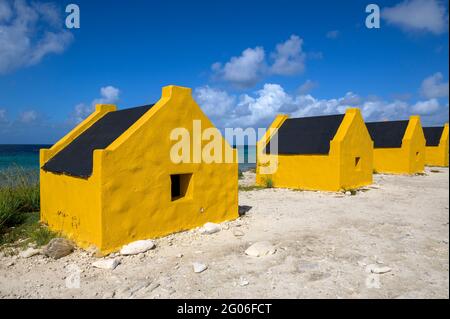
261, 248
58, 247
29, 252
137, 247
110, 263
210, 228
199, 267
375, 269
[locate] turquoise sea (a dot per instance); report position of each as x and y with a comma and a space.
27, 156
24, 155
247, 157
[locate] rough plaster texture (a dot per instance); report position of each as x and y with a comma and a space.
438, 155
128, 196
409, 158
335, 171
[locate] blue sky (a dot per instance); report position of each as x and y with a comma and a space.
246, 61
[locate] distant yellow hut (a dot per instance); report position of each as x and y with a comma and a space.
329, 153
399, 146
111, 180
436, 150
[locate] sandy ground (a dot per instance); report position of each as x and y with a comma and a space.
326, 245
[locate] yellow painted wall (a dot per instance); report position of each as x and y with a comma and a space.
140, 190
438, 155
409, 158
353, 141
131, 189
70, 205
332, 172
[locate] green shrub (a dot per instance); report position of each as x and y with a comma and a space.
352, 191
248, 188
19, 194
421, 174
41, 235
30, 231
268, 182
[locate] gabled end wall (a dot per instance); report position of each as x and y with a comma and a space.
355, 148
333, 172
438, 155
407, 159
136, 175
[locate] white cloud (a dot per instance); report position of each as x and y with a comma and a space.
108, 95
49, 13
307, 87
50, 43
333, 34
434, 87
258, 109
307, 105
379, 110
5, 11
288, 57
29, 32
81, 111
250, 67
267, 102
30, 127
245, 70
428, 107
28, 116
350, 99
418, 15
214, 102
24, 121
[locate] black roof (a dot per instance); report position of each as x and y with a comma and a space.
388, 134
433, 135
76, 159
307, 135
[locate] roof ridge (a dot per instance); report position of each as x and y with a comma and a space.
316, 116
135, 107
393, 121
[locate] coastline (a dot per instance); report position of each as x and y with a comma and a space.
26, 156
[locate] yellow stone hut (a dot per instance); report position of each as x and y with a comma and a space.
436, 150
399, 146
330, 153
112, 179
